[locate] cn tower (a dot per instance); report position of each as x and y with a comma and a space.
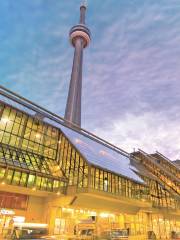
80, 39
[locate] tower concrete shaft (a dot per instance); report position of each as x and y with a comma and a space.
80, 39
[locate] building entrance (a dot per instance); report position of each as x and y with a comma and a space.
10, 206
69, 221
6, 221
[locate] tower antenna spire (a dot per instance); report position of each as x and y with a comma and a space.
84, 3
83, 8
80, 39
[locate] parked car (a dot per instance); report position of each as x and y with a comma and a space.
116, 234
86, 234
175, 235
26, 232
151, 235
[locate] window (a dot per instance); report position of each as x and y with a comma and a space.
31, 180
23, 181
105, 184
9, 176
16, 178
2, 173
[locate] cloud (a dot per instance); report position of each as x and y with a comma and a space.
130, 73
131, 94
150, 131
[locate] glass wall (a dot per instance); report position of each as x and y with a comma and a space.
165, 163
170, 182
49, 155
33, 181
109, 182
17, 129
140, 225
73, 165
163, 226
29, 148
160, 197
76, 170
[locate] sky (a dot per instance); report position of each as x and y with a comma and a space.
131, 72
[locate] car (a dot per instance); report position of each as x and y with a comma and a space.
175, 235
115, 234
151, 235
30, 231
86, 234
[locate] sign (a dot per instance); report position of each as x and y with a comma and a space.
7, 212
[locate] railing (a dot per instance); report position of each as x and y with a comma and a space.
139, 196
169, 207
167, 164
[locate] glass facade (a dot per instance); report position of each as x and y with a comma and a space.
108, 182
165, 190
140, 225
160, 197
83, 176
28, 152
19, 130
72, 164
166, 164
39, 156
163, 226
166, 177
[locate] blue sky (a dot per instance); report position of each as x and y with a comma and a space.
131, 78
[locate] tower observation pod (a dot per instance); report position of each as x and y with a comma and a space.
80, 38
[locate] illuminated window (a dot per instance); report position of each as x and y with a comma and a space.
105, 184
9, 176
16, 178
23, 180
2, 173
31, 180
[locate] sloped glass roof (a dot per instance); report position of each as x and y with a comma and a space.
13, 157
93, 151
100, 155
